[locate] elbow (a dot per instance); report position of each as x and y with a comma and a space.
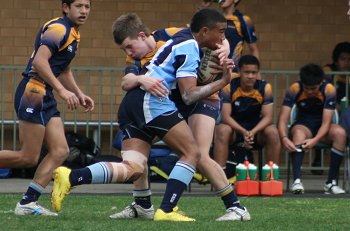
187, 100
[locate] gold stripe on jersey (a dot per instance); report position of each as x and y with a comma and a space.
73, 35
237, 24
254, 94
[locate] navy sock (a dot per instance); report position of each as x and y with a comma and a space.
297, 159
231, 200
143, 201
33, 193
173, 192
336, 158
80, 176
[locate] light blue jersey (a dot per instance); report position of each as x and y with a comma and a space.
178, 58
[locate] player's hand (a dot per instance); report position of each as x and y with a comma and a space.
222, 52
87, 102
309, 144
288, 145
70, 98
153, 86
228, 66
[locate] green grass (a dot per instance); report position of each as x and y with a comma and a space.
90, 212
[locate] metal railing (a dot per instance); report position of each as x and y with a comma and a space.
103, 85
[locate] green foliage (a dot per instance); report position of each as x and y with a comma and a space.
91, 212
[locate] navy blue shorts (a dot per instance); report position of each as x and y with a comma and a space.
313, 126
132, 122
34, 102
206, 107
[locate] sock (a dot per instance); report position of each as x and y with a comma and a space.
80, 176
336, 158
229, 197
33, 193
179, 178
143, 198
297, 159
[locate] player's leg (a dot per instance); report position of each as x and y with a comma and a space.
299, 134
58, 151
142, 206
132, 167
175, 132
202, 127
337, 137
31, 138
269, 138
223, 134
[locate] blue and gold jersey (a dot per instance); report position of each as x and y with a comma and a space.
246, 106
62, 39
240, 29
338, 80
311, 108
160, 36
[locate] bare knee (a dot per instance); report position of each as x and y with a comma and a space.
59, 154
222, 133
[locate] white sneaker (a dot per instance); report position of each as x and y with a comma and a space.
297, 187
235, 214
333, 188
134, 211
33, 208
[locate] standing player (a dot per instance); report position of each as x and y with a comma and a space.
48, 69
132, 35
240, 29
172, 66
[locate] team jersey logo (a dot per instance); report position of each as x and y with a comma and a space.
70, 48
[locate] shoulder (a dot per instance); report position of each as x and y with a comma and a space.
56, 25
328, 88
295, 87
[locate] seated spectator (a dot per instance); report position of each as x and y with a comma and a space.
247, 114
315, 101
341, 62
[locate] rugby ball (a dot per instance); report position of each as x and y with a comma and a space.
205, 74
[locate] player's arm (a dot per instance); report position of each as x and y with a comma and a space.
132, 79
254, 50
191, 93
42, 67
68, 81
283, 129
227, 119
266, 118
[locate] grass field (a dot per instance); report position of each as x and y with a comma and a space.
90, 212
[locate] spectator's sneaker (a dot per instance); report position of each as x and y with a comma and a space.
61, 187
33, 208
235, 214
134, 211
333, 188
297, 187
160, 215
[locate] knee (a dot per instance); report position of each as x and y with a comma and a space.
29, 161
60, 153
222, 133
135, 163
135, 171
